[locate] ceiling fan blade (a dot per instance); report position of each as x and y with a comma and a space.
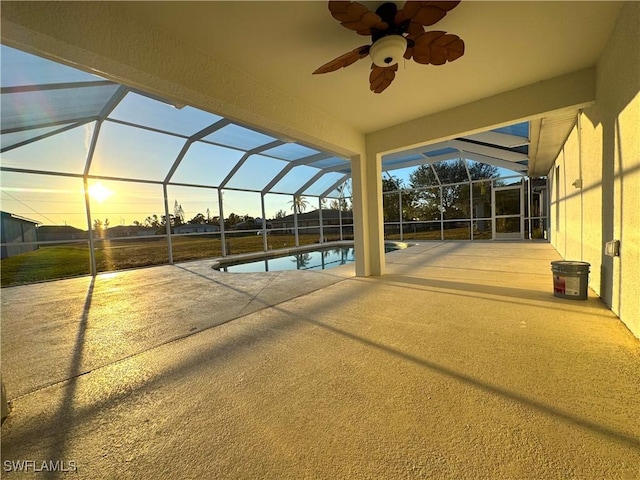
381, 77
357, 17
437, 48
424, 13
344, 60
445, 5
414, 29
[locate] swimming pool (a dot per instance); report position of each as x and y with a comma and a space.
318, 259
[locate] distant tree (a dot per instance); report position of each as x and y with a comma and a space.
198, 219
280, 214
391, 201
178, 214
152, 221
344, 193
136, 223
450, 172
453, 177
299, 204
100, 227
340, 204
232, 220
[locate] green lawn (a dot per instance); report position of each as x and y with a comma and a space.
60, 261
45, 264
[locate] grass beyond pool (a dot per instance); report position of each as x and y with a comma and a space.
320, 258
68, 260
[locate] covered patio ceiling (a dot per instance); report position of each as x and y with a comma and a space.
508, 45
276, 45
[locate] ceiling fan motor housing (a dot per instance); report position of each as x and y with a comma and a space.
388, 50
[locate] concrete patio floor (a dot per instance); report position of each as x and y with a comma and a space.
459, 363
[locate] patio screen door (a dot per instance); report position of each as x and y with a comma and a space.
508, 212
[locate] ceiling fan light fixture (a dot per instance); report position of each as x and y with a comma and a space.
388, 50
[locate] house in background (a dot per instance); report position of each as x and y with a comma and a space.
60, 233
17, 233
196, 228
309, 222
120, 231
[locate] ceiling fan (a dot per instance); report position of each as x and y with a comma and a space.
395, 34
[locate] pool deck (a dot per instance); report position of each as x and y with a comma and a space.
458, 363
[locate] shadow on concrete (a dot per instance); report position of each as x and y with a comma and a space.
486, 387
483, 270
524, 295
66, 409
68, 418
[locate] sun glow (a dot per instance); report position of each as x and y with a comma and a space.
99, 192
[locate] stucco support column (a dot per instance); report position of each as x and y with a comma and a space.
367, 214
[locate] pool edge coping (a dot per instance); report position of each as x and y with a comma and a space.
229, 260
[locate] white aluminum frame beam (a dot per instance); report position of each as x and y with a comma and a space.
423, 161
469, 147
244, 158
335, 185
111, 104
496, 162
417, 150
45, 135
310, 182
193, 138
290, 166
55, 86
320, 174
498, 138
87, 119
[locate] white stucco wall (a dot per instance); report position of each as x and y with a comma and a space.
603, 150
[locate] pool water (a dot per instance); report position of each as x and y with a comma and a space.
312, 260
